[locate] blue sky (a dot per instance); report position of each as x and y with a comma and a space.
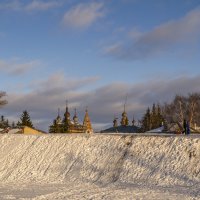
93, 53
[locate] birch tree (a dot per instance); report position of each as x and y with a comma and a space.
183, 108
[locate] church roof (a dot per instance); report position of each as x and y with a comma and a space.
121, 129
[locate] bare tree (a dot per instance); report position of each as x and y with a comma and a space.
2, 101
193, 111
183, 108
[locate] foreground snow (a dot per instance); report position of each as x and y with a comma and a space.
79, 191
99, 167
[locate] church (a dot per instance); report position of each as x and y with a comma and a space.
71, 126
124, 127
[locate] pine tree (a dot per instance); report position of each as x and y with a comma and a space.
13, 125
7, 123
146, 121
4, 123
159, 119
2, 101
153, 117
2, 118
25, 120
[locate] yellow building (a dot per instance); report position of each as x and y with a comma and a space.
71, 126
22, 130
30, 131
87, 123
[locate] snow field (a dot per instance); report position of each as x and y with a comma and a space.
99, 166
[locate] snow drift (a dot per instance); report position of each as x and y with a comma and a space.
100, 159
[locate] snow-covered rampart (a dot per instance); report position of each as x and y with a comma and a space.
100, 159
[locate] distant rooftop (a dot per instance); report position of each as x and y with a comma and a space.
121, 129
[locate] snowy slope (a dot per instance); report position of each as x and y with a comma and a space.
122, 161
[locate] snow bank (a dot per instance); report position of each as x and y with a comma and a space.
100, 159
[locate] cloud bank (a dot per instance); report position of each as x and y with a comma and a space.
46, 96
161, 39
17, 67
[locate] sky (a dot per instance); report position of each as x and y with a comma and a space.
94, 53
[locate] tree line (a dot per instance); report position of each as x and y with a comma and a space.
181, 108
153, 118
25, 119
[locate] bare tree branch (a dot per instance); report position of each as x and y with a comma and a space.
182, 107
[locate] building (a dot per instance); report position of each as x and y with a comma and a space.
124, 127
30, 131
21, 130
71, 126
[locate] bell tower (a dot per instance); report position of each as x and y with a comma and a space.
87, 122
75, 118
115, 124
124, 120
67, 115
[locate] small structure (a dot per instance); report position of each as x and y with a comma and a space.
71, 126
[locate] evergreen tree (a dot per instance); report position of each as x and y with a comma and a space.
4, 123
2, 101
7, 123
153, 117
2, 119
160, 119
25, 120
13, 125
146, 121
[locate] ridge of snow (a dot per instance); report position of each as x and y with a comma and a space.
111, 161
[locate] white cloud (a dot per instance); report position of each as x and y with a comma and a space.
11, 5
57, 83
135, 33
113, 48
83, 15
34, 5
40, 5
162, 38
18, 67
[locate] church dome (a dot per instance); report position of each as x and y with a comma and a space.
75, 118
124, 114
